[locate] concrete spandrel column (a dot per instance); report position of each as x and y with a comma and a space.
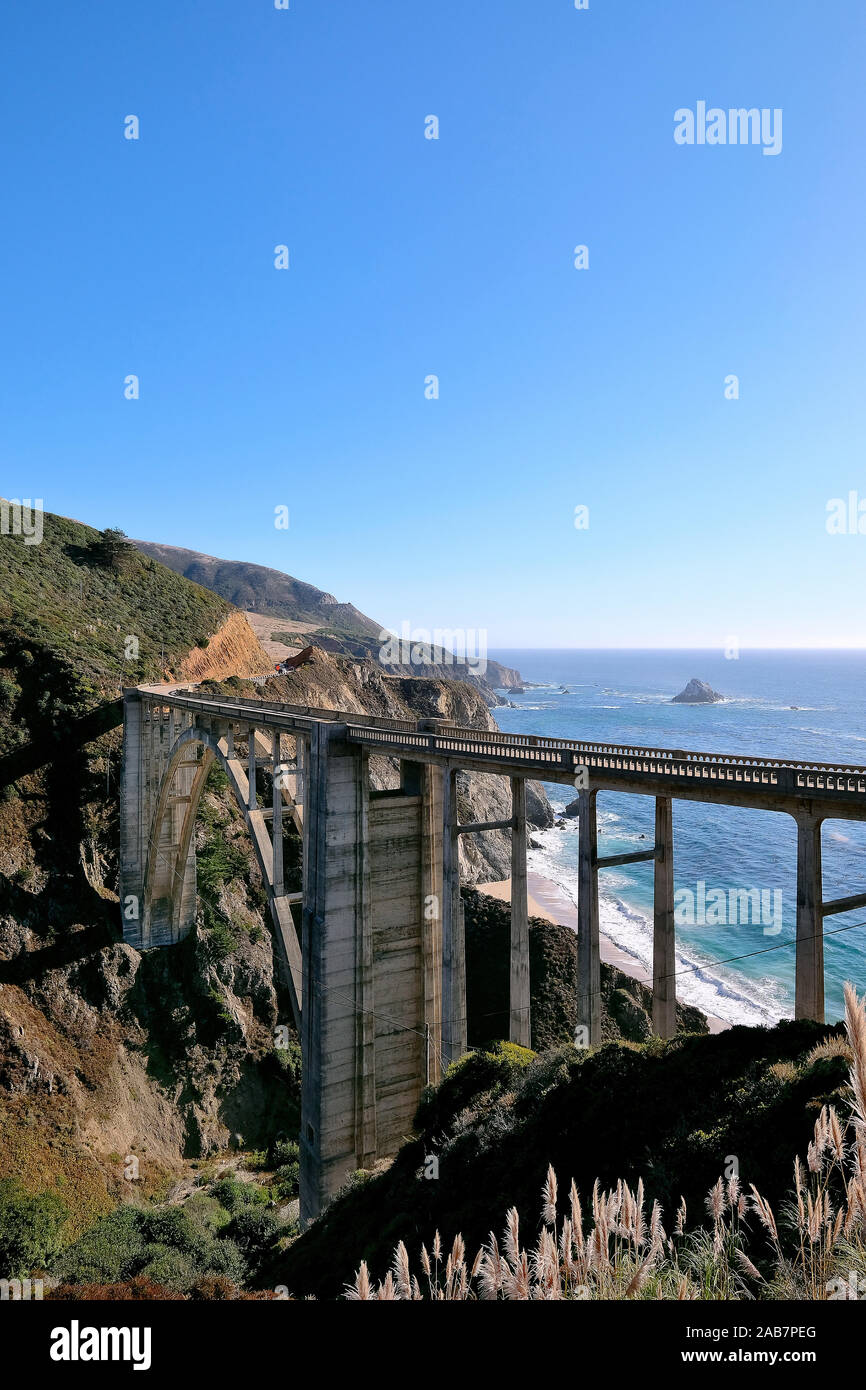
809, 989
252, 801
453, 937
664, 934
588, 941
520, 1030
277, 825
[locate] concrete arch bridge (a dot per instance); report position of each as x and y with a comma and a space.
373, 946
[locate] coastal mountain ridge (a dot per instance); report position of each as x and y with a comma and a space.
319, 616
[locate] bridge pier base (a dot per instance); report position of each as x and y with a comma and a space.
809, 986
371, 963
454, 1020
588, 942
664, 934
520, 1030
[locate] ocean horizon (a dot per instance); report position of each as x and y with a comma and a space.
797, 703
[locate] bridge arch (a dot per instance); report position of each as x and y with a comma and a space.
168, 902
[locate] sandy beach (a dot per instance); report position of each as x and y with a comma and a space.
549, 901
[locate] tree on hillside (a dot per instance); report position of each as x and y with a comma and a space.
113, 549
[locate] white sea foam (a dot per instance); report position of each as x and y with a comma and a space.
715, 989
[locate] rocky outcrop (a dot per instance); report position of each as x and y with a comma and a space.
697, 693
107, 1055
503, 677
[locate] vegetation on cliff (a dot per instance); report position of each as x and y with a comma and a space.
814, 1249
105, 1054
671, 1115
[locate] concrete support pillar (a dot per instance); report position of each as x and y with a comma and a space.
809, 990
588, 944
338, 1114
431, 887
277, 819
453, 936
664, 935
366, 1136
230, 741
520, 1030
252, 801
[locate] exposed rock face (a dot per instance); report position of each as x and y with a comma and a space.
503, 677
697, 693
232, 649
335, 682
106, 1053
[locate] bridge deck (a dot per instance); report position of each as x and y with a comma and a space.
768, 783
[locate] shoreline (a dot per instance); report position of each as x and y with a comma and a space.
548, 901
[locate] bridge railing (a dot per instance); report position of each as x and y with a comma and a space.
618, 762
625, 763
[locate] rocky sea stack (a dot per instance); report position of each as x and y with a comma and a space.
697, 693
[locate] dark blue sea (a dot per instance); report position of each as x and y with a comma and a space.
736, 957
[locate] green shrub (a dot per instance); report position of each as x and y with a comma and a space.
488, 1073
110, 1252
237, 1196
284, 1151
30, 1229
252, 1230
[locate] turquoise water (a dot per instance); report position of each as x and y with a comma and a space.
624, 697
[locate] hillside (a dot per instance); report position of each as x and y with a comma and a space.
263, 590
302, 613
103, 1052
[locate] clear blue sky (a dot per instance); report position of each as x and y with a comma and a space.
409, 257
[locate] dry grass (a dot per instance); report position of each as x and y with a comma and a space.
830, 1047
623, 1251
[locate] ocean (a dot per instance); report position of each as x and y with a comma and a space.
735, 958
